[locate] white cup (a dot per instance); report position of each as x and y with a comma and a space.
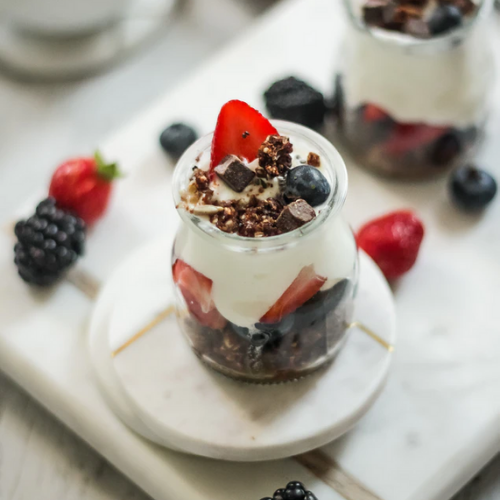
63, 17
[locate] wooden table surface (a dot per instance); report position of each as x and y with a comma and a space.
39, 458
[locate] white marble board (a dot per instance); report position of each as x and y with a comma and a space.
438, 420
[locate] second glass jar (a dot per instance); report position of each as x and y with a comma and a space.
414, 108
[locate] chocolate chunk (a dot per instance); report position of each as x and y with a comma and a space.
373, 12
295, 215
313, 159
417, 28
234, 173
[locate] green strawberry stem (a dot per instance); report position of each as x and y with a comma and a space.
108, 171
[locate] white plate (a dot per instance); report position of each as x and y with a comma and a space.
159, 385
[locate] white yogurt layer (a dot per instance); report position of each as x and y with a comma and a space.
246, 284
438, 87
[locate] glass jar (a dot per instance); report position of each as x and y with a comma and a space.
414, 108
225, 283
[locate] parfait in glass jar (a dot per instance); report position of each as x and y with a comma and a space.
414, 90
264, 265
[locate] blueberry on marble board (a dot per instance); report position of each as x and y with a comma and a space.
176, 138
307, 183
472, 189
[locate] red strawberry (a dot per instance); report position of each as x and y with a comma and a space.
83, 185
407, 137
304, 286
197, 292
240, 131
393, 241
372, 113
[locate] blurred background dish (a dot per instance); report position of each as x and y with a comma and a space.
65, 18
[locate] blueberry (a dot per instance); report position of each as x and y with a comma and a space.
266, 498
445, 18
310, 496
308, 183
471, 189
176, 138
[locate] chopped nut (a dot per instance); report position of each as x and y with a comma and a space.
274, 155
207, 210
260, 172
201, 179
313, 159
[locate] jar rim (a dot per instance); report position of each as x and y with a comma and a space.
334, 166
445, 41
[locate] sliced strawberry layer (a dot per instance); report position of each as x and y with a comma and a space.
373, 113
197, 292
407, 137
304, 286
240, 131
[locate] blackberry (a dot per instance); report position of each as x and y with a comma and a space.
48, 244
294, 490
296, 101
176, 138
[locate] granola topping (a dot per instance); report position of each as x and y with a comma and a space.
313, 159
248, 199
274, 155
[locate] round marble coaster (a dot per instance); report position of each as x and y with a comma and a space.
53, 58
159, 388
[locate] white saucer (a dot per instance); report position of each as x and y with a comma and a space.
161, 390
52, 58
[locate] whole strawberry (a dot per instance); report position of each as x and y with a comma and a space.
393, 241
83, 186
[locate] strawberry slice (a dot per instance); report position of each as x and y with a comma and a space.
408, 136
304, 286
240, 131
373, 113
197, 292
